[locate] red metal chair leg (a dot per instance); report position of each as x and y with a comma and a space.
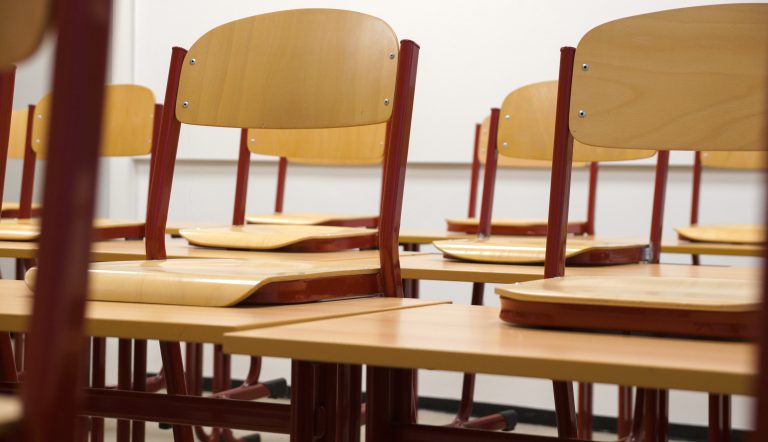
719, 418
138, 428
83, 423
655, 419
624, 419
125, 348
98, 380
565, 409
175, 383
585, 410
8, 371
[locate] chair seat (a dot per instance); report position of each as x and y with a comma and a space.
532, 250
13, 229
272, 237
216, 282
724, 233
512, 226
681, 306
314, 219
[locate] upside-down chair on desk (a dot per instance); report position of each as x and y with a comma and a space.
51, 388
352, 146
721, 233
519, 226
723, 52
334, 81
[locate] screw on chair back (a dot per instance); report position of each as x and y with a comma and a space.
682, 79
127, 125
297, 69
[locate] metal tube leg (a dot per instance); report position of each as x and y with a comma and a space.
655, 419
138, 428
7, 363
585, 410
624, 424
125, 347
302, 401
719, 418
565, 410
175, 383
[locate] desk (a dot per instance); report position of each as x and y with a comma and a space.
473, 339
190, 324
10, 413
433, 266
706, 248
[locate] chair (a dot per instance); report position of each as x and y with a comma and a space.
522, 226
129, 127
729, 233
354, 146
526, 137
51, 386
20, 148
714, 59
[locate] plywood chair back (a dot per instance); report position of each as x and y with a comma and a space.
129, 113
345, 146
336, 69
660, 81
53, 376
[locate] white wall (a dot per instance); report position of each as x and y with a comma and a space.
473, 53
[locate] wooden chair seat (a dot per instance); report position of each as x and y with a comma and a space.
283, 237
29, 229
225, 282
314, 219
532, 250
512, 226
724, 233
709, 307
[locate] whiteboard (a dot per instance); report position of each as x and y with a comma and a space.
472, 54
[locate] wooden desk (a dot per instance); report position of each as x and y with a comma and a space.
10, 413
434, 267
473, 339
706, 248
188, 324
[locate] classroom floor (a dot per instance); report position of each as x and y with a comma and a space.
154, 434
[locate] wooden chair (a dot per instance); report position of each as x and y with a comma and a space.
129, 130
51, 388
19, 148
713, 59
525, 135
723, 233
521, 226
354, 146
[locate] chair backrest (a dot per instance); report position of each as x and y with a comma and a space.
527, 125
296, 69
17, 141
127, 125
343, 146
22, 25
734, 160
683, 79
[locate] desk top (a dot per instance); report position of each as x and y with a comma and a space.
190, 324
473, 339
10, 413
710, 248
434, 267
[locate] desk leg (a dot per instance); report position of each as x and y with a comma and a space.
624, 424
656, 412
585, 410
98, 380
175, 383
139, 384
390, 401
719, 418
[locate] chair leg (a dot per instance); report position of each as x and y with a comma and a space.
125, 348
719, 418
656, 412
565, 409
175, 383
138, 428
7, 363
624, 424
585, 410
98, 380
